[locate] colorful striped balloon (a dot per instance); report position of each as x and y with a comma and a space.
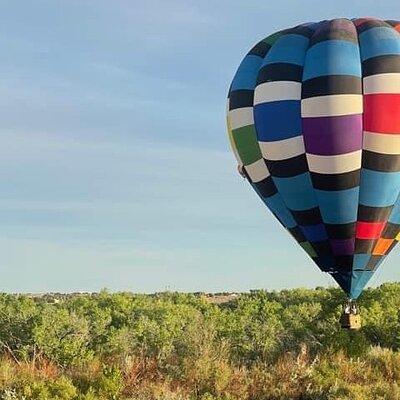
314, 122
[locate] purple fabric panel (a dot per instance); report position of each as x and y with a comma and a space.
341, 247
333, 135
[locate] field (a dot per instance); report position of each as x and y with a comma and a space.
172, 346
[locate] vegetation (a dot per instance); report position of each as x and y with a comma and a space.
171, 346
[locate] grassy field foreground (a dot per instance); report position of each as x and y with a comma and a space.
262, 345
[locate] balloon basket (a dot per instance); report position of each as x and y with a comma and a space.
351, 318
350, 321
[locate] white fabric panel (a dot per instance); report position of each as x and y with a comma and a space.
240, 117
382, 83
381, 143
282, 149
337, 164
257, 171
332, 105
276, 91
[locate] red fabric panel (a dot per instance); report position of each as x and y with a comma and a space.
369, 230
381, 113
360, 21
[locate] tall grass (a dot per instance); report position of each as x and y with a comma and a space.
291, 376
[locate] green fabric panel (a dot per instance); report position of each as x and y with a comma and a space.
245, 139
232, 143
308, 248
271, 39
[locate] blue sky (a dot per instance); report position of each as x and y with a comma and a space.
114, 163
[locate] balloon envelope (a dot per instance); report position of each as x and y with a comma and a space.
314, 122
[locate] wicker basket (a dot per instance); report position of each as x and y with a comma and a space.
350, 321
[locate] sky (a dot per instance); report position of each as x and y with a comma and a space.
115, 168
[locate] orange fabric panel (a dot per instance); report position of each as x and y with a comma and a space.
382, 247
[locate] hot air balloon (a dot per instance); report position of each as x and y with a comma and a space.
314, 122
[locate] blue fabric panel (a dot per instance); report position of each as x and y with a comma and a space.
395, 214
314, 233
277, 120
379, 189
325, 263
312, 25
341, 58
360, 261
358, 281
379, 41
297, 191
289, 49
246, 75
277, 206
338, 207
